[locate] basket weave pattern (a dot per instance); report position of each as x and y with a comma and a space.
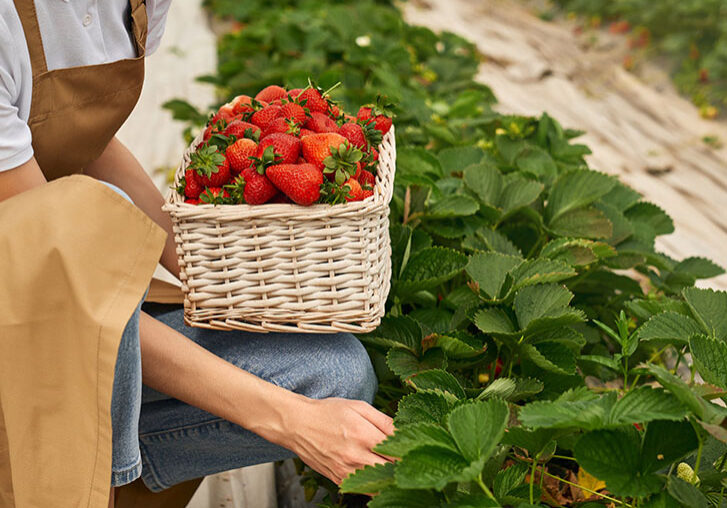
284, 267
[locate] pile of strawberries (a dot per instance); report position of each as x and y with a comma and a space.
286, 146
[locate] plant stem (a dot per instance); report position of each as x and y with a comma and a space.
484, 488
679, 360
650, 360
701, 446
604, 496
563, 457
532, 480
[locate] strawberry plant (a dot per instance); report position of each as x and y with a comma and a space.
537, 348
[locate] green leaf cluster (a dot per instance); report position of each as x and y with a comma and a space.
532, 328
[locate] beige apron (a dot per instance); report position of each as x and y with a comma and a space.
75, 259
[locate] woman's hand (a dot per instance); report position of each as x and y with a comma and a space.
335, 436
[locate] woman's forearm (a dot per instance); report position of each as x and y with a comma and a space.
19, 179
117, 165
175, 365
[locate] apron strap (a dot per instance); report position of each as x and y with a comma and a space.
139, 25
29, 19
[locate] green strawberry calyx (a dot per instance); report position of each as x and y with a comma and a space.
268, 158
342, 161
206, 160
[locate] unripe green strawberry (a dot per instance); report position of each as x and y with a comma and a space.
686, 473
300, 182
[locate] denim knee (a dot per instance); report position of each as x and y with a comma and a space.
353, 374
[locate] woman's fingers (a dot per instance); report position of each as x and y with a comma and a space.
382, 422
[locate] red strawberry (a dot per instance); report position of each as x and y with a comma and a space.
226, 112
381, 122
266, 115
192, 201
306, 132
238, 155
380, 114
300, 182
271, 93
294, 111
294, 93
257, 188
282, 125
366, 179
314, 101
354, 133
241, 129
316, 147
285, 146
192, 187
212, 168
367, 193
242, 104
334, 111
355, 192
215, 195
319, 122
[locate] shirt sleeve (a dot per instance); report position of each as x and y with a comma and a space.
15, 138
156, 11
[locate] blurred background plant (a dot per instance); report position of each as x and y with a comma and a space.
691, 34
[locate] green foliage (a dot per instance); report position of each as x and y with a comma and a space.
509, 287
691, 32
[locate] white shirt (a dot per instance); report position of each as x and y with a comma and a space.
75, 33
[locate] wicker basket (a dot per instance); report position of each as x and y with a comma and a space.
284, 267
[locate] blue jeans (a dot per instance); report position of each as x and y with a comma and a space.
167, 441
178, 442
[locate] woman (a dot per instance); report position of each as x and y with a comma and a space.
76, 259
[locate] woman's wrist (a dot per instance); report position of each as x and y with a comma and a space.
273, 415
